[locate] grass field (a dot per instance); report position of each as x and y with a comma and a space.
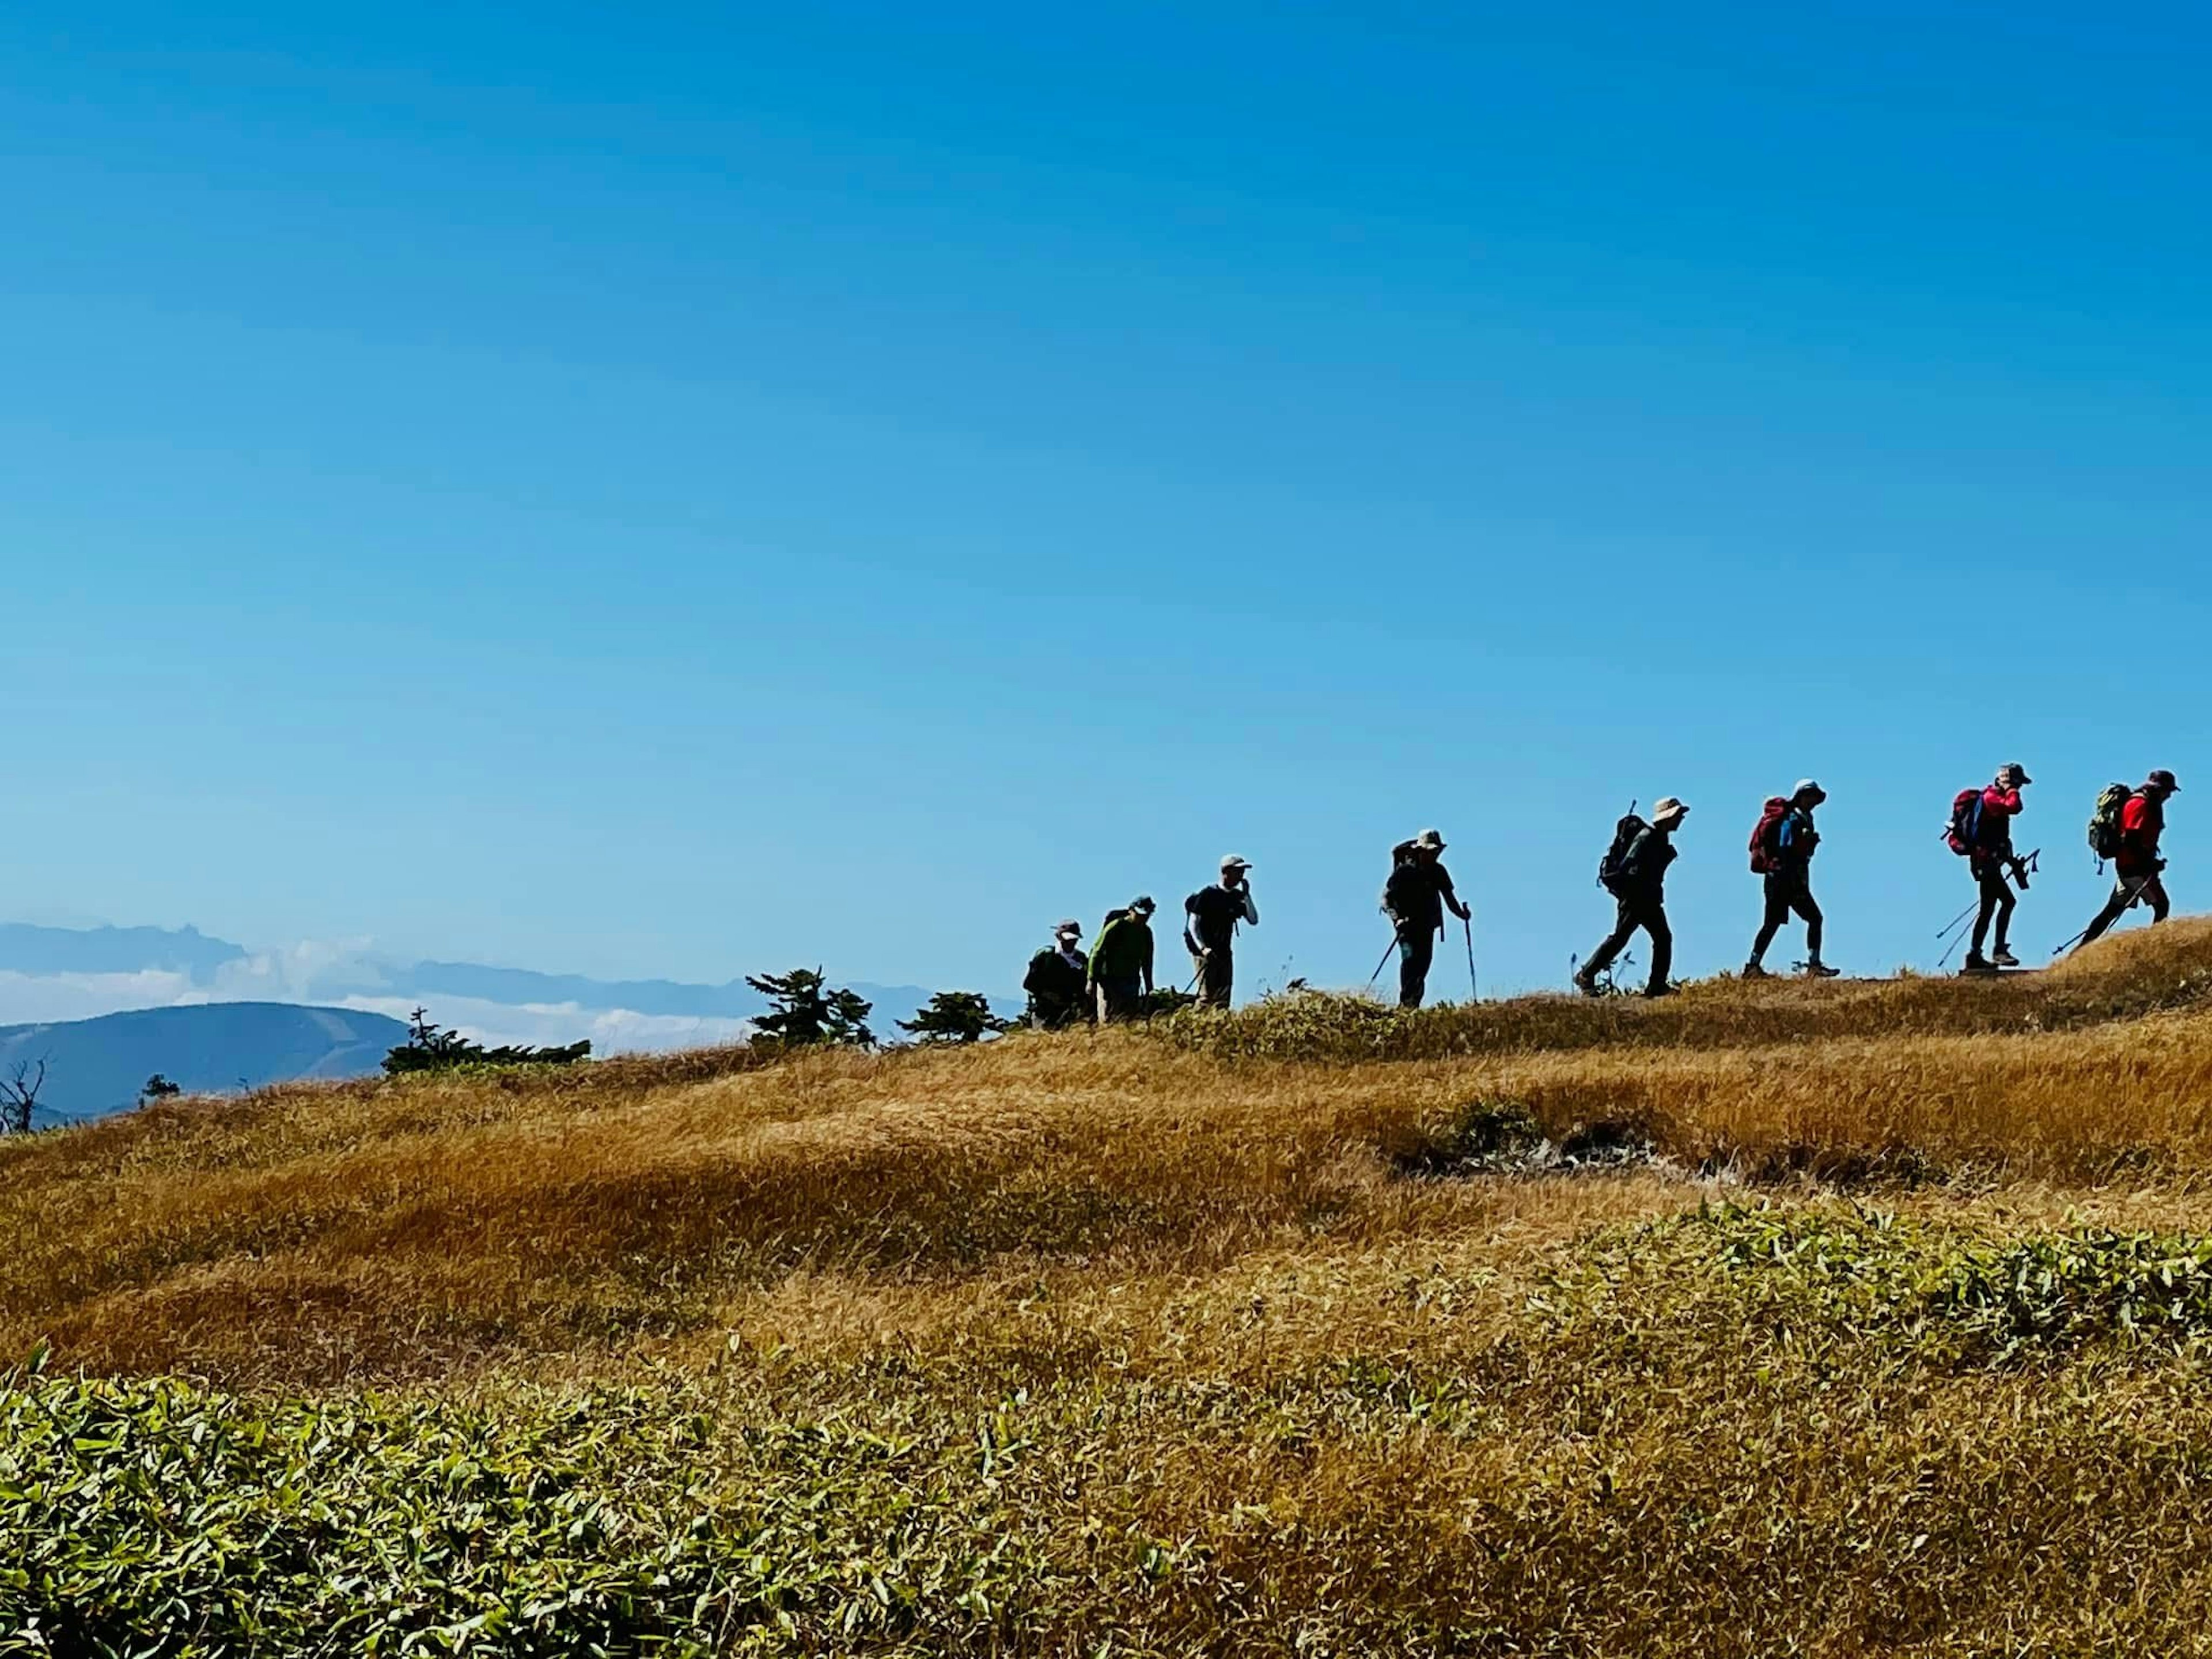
1776, 1318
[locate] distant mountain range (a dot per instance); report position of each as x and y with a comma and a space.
226, 1000
95, 1066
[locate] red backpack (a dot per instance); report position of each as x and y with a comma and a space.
1765, 854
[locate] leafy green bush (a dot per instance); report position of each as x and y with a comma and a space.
151, 1518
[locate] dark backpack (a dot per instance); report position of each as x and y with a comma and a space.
1407, 889
2106, 830
1965, 834
1612, 869
1766, 837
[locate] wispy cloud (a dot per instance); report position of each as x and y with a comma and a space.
347, 974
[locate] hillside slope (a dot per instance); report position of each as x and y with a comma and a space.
1550, 1328
98, 1065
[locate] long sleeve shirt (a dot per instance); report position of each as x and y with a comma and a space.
2142, 821
1123, 950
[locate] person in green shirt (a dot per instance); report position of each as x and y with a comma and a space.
1121, 977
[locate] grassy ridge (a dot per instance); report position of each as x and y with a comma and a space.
1203, 1339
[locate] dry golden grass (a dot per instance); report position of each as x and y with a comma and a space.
1241, 1314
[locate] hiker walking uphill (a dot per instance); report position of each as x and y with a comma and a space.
1782, 849
1415, 898
1055, 981
1981, 832
1634, 871
1121, 977
2127, 832
1211, 916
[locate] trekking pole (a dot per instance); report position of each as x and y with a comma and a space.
2134, 899
1960, 920
1474, 984
1379, 966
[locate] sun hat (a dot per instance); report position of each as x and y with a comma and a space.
1143, 902
1668, 807
1432, 839
1808, 786
2162, 779
1069, 927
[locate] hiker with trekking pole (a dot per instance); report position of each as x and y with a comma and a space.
1211, 918
1415, 898
1634, 871
1980, 831
1782, 846
2125, 829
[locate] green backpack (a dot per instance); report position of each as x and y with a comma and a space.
2105, 825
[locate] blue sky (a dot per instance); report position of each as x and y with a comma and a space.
683, 491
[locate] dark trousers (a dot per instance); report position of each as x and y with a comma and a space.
1417, 949
1119, 999
1789, 890
1648, 912
1998, 902
2127, 891
1216, 977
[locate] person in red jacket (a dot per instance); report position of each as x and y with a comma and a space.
2137, 864
1991, 856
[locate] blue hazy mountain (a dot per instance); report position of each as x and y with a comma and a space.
95, 1066
38, 953
25, 949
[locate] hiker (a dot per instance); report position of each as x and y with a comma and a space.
1634, 871
1120, 972
1415, 899
1782, 849
1055, 981
1981, 828
1209, 931
2136, 862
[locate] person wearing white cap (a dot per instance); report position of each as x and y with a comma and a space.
1638, 879
1211, 916
1782, 852
1055, 981
1418, 893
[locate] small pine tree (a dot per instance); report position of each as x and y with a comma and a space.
427, 1048
805, 1012
954, 1016
159, 1087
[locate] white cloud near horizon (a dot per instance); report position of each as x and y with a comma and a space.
344, 975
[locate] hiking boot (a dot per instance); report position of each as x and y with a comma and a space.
1586, 982
1658, 991
1817, 970
2004, 957
1753, 971
1976, 963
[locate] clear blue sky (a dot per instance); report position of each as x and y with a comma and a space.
686, 489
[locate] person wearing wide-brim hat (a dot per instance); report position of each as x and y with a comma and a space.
1211, 918
2139, 869
1639, 883
1055, 980
1418, 893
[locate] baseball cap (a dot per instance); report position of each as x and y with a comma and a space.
1807, 786
1143, 902
2164, 779
1431, 839
1066, 927
1233, 862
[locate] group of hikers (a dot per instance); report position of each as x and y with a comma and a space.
1113, 981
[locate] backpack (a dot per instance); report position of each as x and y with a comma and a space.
1402, 895
1765, 836
1611, 871
1965, 834
2107, 834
